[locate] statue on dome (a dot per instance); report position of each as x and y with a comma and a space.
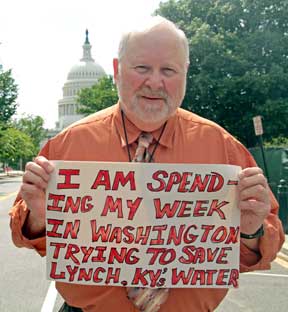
87, 39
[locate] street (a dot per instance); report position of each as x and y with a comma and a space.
260, 291
22, 277
24, 286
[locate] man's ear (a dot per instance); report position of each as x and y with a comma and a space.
115, 68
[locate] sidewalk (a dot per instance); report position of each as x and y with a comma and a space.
13, 173
284, 251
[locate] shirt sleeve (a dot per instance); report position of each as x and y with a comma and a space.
18, 215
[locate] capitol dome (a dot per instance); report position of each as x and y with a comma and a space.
85, 74
85, 70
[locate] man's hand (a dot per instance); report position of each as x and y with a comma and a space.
253, 202
35, 181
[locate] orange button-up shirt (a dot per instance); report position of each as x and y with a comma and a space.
187, 138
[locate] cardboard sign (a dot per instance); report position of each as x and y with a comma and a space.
143, 225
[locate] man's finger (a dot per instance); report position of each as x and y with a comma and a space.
247, 172
28, 190
37, 170
256, 179
30, 177
44, 163
257, 192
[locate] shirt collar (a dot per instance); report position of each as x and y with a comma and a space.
133, 132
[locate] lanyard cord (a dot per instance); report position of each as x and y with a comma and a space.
126, 139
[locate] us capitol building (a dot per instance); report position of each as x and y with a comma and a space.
85, 74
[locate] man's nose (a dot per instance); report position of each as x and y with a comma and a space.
155, 81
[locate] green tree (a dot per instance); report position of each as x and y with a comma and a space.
238, 62
277, 142
8, 96
33, 127
15, 145
101, 95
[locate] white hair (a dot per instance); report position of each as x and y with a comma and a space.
149, 25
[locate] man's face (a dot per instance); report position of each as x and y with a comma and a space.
151, 77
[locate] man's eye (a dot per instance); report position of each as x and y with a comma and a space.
142, 69
168, 71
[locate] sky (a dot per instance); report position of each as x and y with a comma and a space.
42, 39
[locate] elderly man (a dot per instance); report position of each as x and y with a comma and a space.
150, 74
